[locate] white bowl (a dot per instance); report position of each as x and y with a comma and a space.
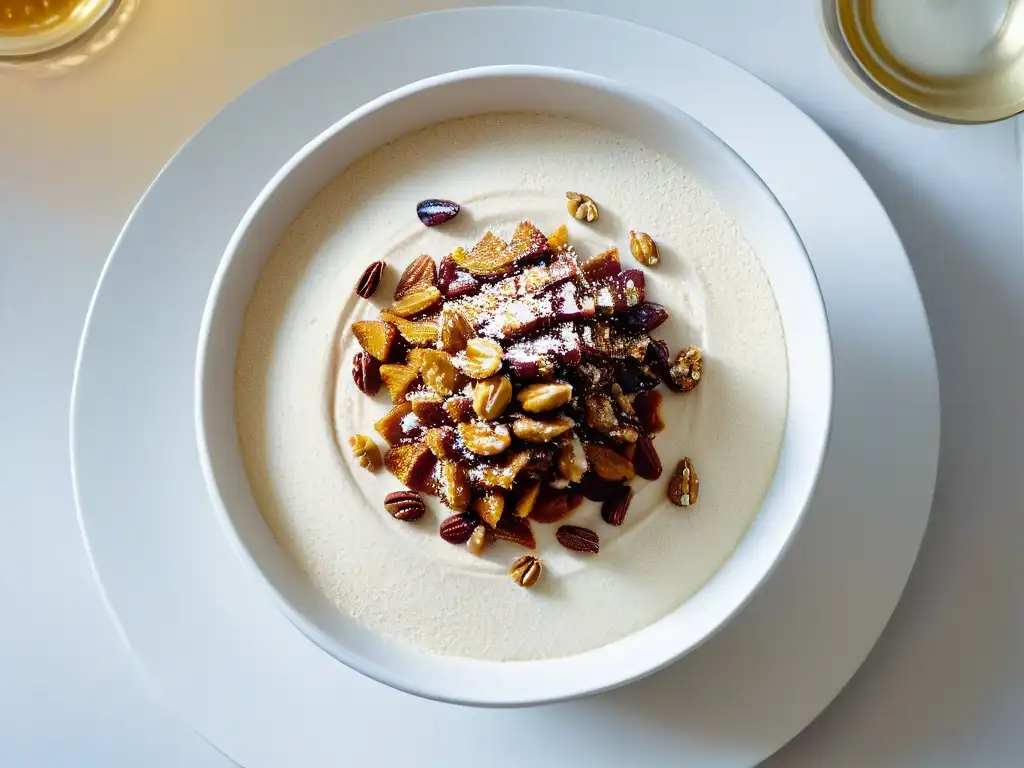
702, 155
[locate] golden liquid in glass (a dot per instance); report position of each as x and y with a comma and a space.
27, 17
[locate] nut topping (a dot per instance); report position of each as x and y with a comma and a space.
581, 207
421, 273
609, 464
375, 337
405, 505
434, 211
538, 431
456, 330
526, 571
572, 460
537, 398
490, 507
685, 372
578, 539
643, 248
364, 449
369, 281
477, 541
485, 439
457, 529
491, 397
437, 372
482, 358
684, 484
614, 508
366, 373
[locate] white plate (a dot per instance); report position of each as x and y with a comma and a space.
249, 681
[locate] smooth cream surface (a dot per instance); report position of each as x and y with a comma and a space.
296, 402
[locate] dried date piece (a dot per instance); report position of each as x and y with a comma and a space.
646, 461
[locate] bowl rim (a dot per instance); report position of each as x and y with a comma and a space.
311, 629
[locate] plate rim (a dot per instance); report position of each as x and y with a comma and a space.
522, 12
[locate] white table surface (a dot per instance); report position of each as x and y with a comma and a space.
944, 686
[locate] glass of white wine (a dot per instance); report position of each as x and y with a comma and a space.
33, 29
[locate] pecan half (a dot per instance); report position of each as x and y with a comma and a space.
685, 372
684, 484
581, 207
578, 539
369, 281
614, 508
457, 529
405, 505
366, 373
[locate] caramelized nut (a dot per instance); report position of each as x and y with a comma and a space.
559, 238
477, 541
435, 211
539, 431
685, 372
684, 484
366, 373
458, 528
526, 571
485, 439
483, 358
609, 464
438, 372
364, 449
576, 538
581, 207
370, 279
416, 302
491, 397
421, 273
456, 330
526, 502
405, 505
572, 460
537, 398
490, 507
417, 333
453, 486
643, 248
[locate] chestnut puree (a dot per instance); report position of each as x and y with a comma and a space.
561, 314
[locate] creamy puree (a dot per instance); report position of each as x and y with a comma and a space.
297, 403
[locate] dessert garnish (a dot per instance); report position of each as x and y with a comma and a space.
578, 539
369, 281
364, 449
522, 382
433, 211
643, 248
581, 207
526, 571
405, 505
684, 484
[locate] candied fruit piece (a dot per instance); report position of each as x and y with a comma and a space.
554, 504
419, 333
398, 379
396, 423
647, 407
452, 483
490, 257
528, 244
460, 409
485, 439
515, 530
443, 443
411, 463
620, 292
429, 408
490, 507
527, 499
603, 265
453, 281
375, 337
559, 238
502, 474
